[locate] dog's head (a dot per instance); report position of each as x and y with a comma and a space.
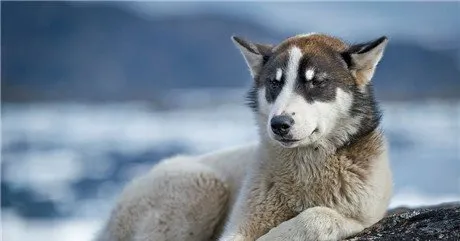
312, 89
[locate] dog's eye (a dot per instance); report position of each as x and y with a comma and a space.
274, 82
316, 82
320, 80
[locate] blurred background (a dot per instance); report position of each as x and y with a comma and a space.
95, 93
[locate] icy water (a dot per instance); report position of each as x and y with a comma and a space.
62, 165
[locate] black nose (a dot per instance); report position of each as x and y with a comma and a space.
281, 124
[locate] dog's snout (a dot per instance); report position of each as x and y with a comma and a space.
281, 124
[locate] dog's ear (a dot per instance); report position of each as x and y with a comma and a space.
254, 54
362, 59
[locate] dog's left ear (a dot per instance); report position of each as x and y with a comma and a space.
254, 54
362, 59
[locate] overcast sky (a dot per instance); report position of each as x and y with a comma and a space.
423, 21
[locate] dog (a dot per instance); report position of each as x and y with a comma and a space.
320, 170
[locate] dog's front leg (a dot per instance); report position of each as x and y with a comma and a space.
255, 214
256, 223
317, 223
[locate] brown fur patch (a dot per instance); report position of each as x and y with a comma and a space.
362, 76
327, 47
313, 44
331, 184
263, 205
361, 152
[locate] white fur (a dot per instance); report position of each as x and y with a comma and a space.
180, 196
295, 54
264, 106
279, 74
309, 74
381, 188
317, 221
322, 115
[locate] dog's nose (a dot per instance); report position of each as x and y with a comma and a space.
281, 124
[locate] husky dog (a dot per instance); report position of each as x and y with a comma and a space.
319, 172
322, 160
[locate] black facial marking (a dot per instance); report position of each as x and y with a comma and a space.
365, 106
265, 59
273, 88
259, 81
267, 76
346, 56
323, 86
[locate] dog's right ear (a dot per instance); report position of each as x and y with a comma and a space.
255, 54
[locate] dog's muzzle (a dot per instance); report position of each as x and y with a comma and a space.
281, 125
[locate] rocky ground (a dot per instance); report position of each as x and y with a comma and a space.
441, 222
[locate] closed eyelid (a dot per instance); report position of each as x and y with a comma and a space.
320, 76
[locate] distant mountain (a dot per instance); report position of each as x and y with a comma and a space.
409, 71
100, 51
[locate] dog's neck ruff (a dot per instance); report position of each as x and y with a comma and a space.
274, 151
319, 152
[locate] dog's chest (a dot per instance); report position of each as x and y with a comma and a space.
329, 185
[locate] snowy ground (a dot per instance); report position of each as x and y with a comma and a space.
62, 165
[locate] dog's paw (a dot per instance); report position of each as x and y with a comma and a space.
289, 230
321, 223
314, 224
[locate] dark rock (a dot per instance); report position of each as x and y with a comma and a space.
441, 222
